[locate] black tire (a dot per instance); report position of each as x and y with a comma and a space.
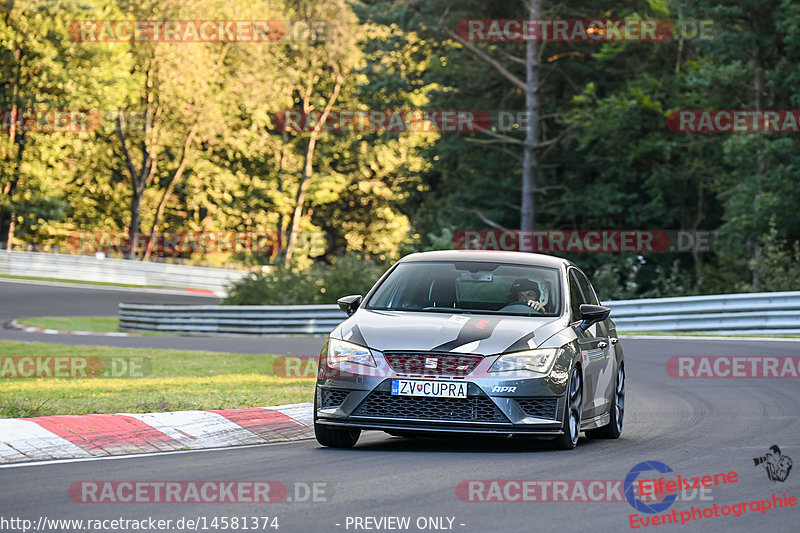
333, 437
573, 410
613, 429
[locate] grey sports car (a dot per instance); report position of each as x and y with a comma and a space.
506, 343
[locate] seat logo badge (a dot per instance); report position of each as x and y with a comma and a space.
431, 362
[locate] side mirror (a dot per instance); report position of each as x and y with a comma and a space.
592, 314
349, 304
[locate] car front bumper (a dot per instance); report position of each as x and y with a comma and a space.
526, 406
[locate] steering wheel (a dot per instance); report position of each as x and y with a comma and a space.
516, 306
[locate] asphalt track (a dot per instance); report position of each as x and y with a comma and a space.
22, 299
696, 426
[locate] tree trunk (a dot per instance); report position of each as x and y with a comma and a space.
308, 168
529, 163
145, 175
11, 224
133, 228
176, 177
294, 220
139, 179
281, 230
758, 86
8, 190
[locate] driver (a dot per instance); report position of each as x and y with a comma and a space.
526, 291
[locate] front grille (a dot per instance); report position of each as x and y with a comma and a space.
539, 407
333, 397
472, 409
432, 363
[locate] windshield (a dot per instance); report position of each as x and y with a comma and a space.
470, 287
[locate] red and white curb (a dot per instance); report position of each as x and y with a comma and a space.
13, 324
83, 436
207, 292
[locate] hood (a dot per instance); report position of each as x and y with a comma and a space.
445, 332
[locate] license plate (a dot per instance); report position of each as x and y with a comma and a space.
436, 389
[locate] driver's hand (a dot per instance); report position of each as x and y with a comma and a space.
536, 305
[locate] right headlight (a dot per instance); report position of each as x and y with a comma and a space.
540, 361
340, 351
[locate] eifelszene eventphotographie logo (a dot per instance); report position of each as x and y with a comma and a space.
776, 464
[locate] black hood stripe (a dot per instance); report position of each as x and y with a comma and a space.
475, 329
521, 343
356, 337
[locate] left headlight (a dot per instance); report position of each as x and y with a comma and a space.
340, 351
534, 360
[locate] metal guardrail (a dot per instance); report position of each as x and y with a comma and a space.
764, 313
83, 268
749, 313
231, 319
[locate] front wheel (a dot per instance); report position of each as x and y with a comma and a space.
613, 429
571, 428
333, 437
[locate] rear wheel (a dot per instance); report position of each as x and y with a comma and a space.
571, 428
613, 429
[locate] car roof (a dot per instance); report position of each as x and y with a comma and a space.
525, 258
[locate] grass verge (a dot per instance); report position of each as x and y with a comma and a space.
175, 380
72, 323
97, 324
77, 281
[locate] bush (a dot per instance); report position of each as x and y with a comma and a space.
321, 284
777, 266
